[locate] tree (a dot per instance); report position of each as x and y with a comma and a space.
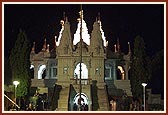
20, 63
7, 72
140, 68
157, 80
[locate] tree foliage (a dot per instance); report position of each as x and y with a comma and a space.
7, 72
157, 80
20, 63
140, 67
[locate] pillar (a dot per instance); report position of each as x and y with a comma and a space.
114, 70
126, 68
47, 70
35, 71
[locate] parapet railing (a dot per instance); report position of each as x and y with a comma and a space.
12, 101
83, 81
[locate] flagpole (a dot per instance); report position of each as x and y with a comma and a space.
80, 87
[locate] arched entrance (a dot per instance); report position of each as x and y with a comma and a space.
84, 102
120, 73
41, 71
32, 71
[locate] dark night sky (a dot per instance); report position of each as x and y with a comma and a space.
121, 21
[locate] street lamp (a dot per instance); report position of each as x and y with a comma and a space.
144, 85
16, 83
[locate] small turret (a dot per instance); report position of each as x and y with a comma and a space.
115, 48
48, 48
118, 45
44, 45
129, 48
33, 48
55, 43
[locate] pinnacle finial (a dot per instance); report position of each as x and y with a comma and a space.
81, 14
115, 49
64, 19
118, 45
44, 45
48, 47
129, 48
33, 48
55, 41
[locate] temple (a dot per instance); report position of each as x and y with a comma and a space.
104, 71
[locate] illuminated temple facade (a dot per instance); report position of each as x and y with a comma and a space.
104, 73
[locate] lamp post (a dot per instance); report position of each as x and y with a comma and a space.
144, 85
16, 83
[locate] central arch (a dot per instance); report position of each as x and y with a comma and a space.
84, 102
84, 72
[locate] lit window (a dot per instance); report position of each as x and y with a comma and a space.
53, 72
84, 72
108, 70
65, 70
97, 71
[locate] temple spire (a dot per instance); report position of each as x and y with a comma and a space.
86, 38
44, 45
118, 45
62, 22
48, 47
129, 48
115, 49
55, 42
33, 48
81, 14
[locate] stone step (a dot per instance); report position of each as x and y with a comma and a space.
61, 109
63, 100
103, 104
102, 99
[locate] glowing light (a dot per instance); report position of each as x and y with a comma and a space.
83, 96
16, 83
32, 66
103, 37
84, 71
144, 84
85, 35
122, 72
41, 70
121, 69
60, 35
106, 43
